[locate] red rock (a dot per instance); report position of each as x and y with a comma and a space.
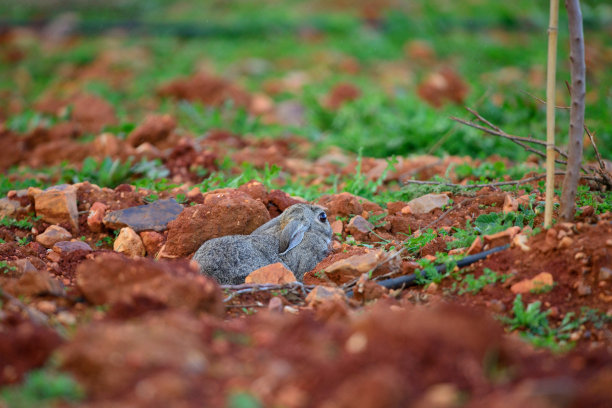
152, 241
224, 213
321, 294
337, 227
340, 94
367, 290
8, 207
24, 345
281, 200
395, 207
427, 203
33, 283
256, 190
443, 86
112, 358
501, 238
359, 228
113, 278
275, 273
23, 266
346, 205
356, 265
154, 129
52, 235
476, 246
96, 216
128, 242
66, 247
538, 282
510, 204
275, 305
57, 205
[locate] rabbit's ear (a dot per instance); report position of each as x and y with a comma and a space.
291, 236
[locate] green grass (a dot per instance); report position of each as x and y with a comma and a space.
42, 388
5, 267
533, 325
25, 224
384, 122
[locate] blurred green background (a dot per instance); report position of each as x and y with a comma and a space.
386, 49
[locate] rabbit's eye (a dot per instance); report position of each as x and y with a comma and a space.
322, 217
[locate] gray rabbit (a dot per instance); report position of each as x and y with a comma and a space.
299, 238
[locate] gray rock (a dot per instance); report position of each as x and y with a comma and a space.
154, 216
8, 207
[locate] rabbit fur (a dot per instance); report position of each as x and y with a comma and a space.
299, 238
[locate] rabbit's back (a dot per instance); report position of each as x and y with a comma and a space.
230, 259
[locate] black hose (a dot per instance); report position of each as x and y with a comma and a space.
410, 280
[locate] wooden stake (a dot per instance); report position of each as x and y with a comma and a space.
550, 110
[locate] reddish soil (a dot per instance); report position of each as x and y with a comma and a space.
143, 332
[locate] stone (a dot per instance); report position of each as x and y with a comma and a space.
56, 205
275, 305
565, 242
321, 294
66, 247
510, 204
52, 235
275, 273
356, 265
281, 200
23, 266
34, 283
8, 207
367, 290
346, 205
128, 242
337, 227
359, 228
605, 273
226, 213
539, 282
154, 216
501, 238
583, 289
112, 278
154, 129
520, 240
95, 219
168, 346
256, 190
428, 203
152, 241
476, 246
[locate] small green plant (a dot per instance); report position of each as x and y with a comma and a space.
414, 244
42, 388
242, 399
430, 274
475, 285
108, 241
107, 173
23, 241
532, 322
24, 224
359, 184
6, 268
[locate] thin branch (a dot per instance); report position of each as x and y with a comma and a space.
592, 139
543, 102
495, 184
253, 288
516, 139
